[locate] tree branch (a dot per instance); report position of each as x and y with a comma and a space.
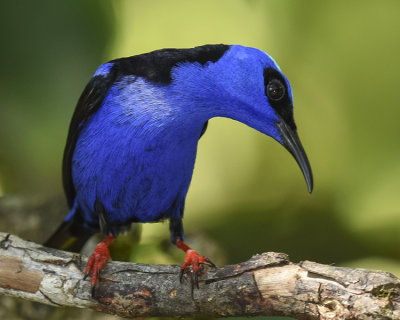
267, 284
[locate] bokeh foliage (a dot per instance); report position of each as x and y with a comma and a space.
247, 194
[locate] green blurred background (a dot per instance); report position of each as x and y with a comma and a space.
247, 195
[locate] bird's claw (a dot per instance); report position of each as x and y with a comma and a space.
212, 264
181, 272
194, 260
96, 263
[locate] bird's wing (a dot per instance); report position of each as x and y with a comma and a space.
89, 102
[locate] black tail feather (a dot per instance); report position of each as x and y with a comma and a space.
70, 236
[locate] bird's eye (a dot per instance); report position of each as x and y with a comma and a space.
275, 90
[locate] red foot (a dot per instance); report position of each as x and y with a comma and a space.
193, 259
98, 259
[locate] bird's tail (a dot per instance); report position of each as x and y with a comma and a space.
70, 236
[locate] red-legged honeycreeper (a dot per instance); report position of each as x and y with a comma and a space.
132, 141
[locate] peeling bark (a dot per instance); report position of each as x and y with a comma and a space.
267, 284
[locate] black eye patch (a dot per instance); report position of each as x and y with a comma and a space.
277, 93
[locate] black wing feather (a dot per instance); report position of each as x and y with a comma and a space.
89, 102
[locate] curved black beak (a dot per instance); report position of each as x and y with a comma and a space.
292, 143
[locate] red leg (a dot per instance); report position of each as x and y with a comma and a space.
193, 259
99, 258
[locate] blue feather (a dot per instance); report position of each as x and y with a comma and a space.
133, 139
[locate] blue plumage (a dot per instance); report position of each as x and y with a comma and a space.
133, 139
136, 155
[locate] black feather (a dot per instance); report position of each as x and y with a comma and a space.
70, 235
156, 66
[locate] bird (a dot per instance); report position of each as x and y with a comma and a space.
133, 137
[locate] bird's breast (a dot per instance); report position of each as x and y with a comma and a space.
135, 166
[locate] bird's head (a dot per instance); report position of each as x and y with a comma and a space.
247, 85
